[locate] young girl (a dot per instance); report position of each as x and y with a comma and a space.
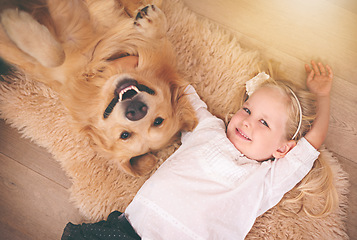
221, 179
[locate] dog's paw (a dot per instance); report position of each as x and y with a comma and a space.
151, 22
32, 37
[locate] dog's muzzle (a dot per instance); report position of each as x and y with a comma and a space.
127, 92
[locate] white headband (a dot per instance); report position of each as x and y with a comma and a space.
252, 85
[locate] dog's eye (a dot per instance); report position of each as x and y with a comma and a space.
125, 135
158, 121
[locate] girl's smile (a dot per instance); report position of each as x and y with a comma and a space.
241, 134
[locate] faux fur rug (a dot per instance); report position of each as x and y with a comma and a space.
213, 61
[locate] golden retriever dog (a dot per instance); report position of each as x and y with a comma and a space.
117, 78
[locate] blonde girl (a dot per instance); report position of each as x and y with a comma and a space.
319, 182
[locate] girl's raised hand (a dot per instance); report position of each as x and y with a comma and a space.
319, 78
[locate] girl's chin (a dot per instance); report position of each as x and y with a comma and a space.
237, 145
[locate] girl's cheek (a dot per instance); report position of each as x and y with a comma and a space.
239, 114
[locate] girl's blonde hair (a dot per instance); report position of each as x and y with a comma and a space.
319, 182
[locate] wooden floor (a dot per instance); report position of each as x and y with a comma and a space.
34, 201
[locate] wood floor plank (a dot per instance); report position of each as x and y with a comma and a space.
32, 206
348, 5
11, 232
301, 28
30, 155
342, 132
351, 169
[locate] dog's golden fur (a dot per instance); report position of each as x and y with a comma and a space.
75, 50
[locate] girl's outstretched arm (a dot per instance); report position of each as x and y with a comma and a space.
319, 82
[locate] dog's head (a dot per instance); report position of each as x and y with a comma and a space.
138, 112
127, 112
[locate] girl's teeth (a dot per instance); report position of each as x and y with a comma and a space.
243, 135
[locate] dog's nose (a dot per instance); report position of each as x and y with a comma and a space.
136, 110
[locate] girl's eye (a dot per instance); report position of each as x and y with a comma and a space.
125, 135
246, 110
158, 121
264, 122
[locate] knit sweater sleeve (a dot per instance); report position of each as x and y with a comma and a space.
286, 172
198, 105
205, 118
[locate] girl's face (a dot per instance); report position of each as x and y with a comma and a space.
258, 129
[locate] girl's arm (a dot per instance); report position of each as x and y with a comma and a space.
319, 82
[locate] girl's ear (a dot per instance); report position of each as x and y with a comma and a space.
284, 149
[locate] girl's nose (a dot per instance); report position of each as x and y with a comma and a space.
246, 122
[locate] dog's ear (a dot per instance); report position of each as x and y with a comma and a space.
140, 165
97, 140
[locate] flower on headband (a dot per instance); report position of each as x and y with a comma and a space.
252, 84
